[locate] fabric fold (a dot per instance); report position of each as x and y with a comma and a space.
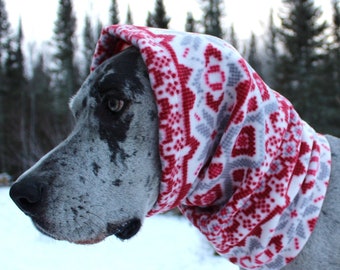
236, 158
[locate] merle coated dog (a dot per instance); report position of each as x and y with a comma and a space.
104, 178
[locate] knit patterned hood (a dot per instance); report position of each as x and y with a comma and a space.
236, 158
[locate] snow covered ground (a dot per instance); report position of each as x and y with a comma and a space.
166, 242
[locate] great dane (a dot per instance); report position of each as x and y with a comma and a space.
104, 178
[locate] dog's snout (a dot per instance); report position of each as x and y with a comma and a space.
27, 194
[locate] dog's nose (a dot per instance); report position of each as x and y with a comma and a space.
27, 194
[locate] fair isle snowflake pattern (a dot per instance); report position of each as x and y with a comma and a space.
236, 158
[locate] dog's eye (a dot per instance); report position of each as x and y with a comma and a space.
115, 105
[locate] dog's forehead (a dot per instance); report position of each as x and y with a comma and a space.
102, 74
123, 73
79, 98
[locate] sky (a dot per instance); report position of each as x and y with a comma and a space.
38, 16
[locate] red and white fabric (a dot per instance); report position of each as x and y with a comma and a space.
236, 158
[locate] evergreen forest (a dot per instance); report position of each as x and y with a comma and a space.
298, 57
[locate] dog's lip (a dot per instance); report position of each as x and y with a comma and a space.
90, 241
41, 228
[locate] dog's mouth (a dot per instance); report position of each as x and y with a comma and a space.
124, 230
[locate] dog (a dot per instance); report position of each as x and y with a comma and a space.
106, 177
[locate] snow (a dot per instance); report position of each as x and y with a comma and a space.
165, 242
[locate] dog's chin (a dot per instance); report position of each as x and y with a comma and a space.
123, 230
89, 241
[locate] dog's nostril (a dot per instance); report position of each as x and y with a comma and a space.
124, 230
27, 194
28, 201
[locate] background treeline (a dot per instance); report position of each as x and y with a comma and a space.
298, 56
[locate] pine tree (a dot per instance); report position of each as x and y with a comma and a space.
335, 49
22, 87
66, 74
329, 78
15, 105
114, 13
89, 42
159, 18
4, 43
149, 20
99, 27
41, 118
4, 32
190, 24
129, 19
336, 20
303, 39
253, 56
233, 40
271, 48
212, 10
335, 119
14, 64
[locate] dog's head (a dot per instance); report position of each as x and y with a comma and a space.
104, 178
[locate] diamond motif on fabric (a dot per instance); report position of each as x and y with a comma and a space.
245, 143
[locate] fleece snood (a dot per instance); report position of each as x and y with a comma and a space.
236, 158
